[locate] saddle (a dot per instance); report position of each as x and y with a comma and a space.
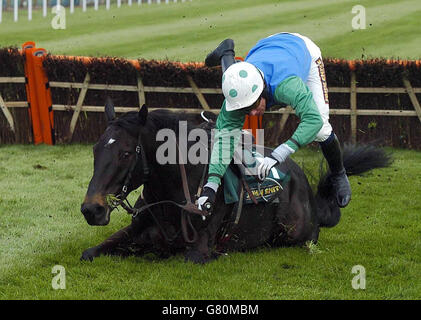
241, 175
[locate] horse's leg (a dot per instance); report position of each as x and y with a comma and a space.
201, 251
132, 239
297, 214
117, 244
295, 225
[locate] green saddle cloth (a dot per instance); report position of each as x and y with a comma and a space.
268, 189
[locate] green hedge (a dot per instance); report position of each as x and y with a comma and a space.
392, 131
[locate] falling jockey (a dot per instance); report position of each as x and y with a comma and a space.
285, 68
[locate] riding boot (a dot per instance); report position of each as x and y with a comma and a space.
333, 154
223, 55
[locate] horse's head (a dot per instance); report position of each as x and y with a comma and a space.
116, 157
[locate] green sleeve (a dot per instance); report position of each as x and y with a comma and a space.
228, 131
294, 92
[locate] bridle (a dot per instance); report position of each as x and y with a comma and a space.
188, 207
141, 160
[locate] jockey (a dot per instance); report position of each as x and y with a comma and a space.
285, 68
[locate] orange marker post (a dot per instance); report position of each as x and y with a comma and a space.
43, 97
253, 123
31, 92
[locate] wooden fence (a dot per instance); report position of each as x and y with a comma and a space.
354, 112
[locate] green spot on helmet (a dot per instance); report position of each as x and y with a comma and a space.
254, 88
223, 78
243, 74
233, 93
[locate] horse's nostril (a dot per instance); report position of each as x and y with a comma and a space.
95, 214
84, 209
91, 209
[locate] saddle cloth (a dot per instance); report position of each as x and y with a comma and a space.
268, 189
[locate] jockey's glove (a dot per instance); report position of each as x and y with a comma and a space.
264, 168
207, 197
280, 154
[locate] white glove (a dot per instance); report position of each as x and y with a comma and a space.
208, 195
280, 154
265, 166
201, 201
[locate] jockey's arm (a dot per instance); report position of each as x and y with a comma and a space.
294, 92
228, 132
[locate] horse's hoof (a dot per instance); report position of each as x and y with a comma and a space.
88, 255
196, 257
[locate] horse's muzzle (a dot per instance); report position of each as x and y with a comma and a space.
95, 214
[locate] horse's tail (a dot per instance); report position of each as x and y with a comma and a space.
357, 160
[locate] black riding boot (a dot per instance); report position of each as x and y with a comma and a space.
223, 55
332, 151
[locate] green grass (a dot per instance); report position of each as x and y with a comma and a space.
188, 31
41, 188
41, 226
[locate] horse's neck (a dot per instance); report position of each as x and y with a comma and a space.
165, 181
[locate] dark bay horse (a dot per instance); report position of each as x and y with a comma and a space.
293, 220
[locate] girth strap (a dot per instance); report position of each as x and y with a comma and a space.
246, 171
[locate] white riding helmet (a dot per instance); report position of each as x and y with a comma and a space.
242, 84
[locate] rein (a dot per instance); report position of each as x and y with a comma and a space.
187, 207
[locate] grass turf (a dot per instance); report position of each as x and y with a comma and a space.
41, 226
188, 31
41, 188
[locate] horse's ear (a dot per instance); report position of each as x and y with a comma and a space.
143, 114
109, 110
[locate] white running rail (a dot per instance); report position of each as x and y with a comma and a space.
30, 5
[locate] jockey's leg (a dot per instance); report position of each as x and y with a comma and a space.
223, 55
327, 139
332, 151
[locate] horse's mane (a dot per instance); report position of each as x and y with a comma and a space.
156, 120
163, 119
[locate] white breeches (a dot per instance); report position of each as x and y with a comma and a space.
318, 86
